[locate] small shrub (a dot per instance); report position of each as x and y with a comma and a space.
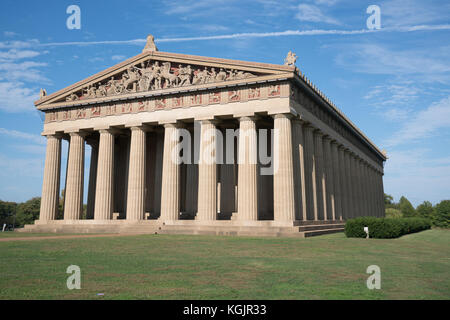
384, 228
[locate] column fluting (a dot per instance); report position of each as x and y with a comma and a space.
170, 193
136, 175
105, 177
247, 170
310, 182
207, 172
50, 185
73, 208
319, 179
329, 181
283, 178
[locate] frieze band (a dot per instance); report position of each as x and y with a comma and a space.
161, 103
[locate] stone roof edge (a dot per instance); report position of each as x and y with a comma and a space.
325, 101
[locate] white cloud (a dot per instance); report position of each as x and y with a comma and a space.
31, 148
244, 35
311, 13
19, 44
326, 2
378, 59
413, 12
15, 97
424, 124
16, 167
96, 59
23, 135
195, 7
118, 58
394, 101
9, 34
24, 71
15, 54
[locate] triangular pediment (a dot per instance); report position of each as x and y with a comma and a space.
159, 72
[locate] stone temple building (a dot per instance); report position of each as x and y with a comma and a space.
283, 160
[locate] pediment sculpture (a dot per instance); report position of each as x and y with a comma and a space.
157, 75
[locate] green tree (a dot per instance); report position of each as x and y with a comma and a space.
7, 211
425, 210
441, 214
388, 199
28, 211
406, 207
389, 202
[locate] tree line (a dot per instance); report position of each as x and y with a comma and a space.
439, 215
23, 213
20, 214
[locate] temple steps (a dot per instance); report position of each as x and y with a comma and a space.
260, 228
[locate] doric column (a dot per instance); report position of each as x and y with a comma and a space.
207, 173
105, 176
366, 189
381, 194
336, 170
247, 171
372, 192
50, 185
375, 193
299, 171
73, 208
364, 211
136, 175
355, 186
92, 178
329, 181
170, 194
360, 187
310, 184
320, 186
283, 177
350, 184
343, 183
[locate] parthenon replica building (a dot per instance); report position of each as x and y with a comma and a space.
196, 145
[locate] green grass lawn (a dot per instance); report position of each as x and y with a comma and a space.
415, 266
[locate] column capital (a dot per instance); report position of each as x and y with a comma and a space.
335, 142
318, 132
82, 134
327, 138
209, 121
248, 118
172, 125
283, 115
309, 126
113, 131
140, 128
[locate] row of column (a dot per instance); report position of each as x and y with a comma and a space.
314, 178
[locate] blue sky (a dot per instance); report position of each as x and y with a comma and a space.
392, 83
